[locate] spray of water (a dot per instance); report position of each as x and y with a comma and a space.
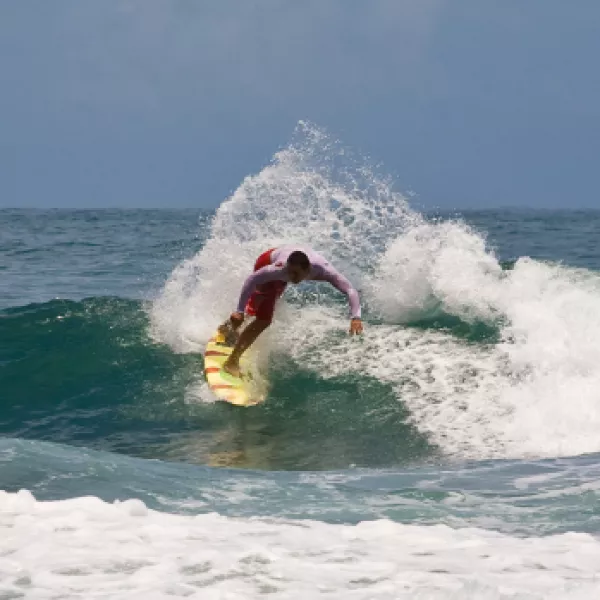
536, 392
314, 192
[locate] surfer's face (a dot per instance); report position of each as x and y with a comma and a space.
297, 273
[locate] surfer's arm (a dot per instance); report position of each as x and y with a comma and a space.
338, 281
264, 275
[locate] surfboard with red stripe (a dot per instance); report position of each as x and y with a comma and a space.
249, 390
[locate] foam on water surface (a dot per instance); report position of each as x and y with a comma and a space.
512, 497
87, 547
531, 391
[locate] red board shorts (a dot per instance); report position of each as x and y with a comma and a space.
261, 303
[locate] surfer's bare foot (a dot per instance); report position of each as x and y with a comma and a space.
232, 369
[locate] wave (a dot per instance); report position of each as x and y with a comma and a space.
545, 497
516, 376
88, 373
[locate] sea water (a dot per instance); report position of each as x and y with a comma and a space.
451, 452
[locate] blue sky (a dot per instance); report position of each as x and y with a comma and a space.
152, 103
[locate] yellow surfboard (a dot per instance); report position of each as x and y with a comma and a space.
249, 390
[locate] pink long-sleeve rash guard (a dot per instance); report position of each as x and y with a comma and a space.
320, 270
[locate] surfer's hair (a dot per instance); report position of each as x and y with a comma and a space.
299, 259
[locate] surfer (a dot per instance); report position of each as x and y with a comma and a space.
273, 270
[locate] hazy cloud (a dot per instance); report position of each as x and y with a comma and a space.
126, 102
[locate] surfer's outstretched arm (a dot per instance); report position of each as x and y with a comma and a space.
341, 283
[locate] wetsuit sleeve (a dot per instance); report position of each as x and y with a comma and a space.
338, 281
264, 275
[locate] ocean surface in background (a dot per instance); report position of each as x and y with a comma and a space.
451, 452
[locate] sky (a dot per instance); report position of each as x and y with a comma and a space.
167, 103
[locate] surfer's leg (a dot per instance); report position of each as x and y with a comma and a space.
229, 333
262, 306
246, 339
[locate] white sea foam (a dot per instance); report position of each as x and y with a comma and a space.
534, 393
346, 212
84, 547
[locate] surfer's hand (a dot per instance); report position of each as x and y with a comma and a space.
236, 318
356, 326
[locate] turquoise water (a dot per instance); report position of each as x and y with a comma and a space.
471, 402
80, 369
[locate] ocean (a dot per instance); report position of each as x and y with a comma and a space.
453, 451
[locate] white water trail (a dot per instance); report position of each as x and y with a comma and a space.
534, 392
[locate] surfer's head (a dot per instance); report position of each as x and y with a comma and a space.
298, 266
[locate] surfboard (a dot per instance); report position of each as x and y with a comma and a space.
249, 390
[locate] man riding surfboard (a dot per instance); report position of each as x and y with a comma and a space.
273, 270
